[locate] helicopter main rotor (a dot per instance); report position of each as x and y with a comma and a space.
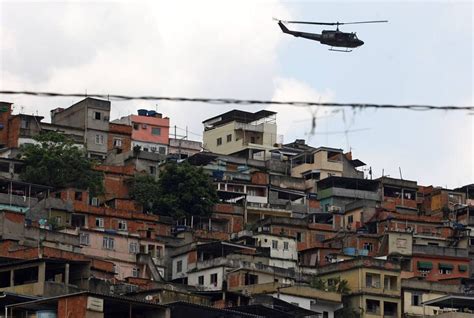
337, 24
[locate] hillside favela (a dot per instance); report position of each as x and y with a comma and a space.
129, 217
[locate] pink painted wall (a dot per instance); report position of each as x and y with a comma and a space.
144, 134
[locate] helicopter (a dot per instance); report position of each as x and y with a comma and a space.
333, 38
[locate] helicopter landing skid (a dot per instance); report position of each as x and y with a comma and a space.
336, 50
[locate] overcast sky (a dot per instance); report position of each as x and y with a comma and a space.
234, 49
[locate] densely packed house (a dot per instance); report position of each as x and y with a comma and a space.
298, 230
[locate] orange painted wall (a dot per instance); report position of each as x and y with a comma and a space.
144, 134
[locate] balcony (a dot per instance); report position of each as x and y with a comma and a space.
267, 207
249, 127
439, 250
348, 193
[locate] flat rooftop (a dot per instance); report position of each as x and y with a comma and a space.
237, 115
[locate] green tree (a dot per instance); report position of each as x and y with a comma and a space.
55, 161
185, 190
145, 190
318, 283
181, 190
343, 287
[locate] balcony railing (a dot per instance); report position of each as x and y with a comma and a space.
249, 127
440, 250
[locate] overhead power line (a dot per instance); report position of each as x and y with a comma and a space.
235, 101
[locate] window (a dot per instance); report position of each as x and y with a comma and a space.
152, 170
122, 225
145, 149
350, 219
99, 222
325, 314
372, 306
78, 196
179, 266
78, 220
94, 201
162, 150
416, 299
117, 142
372, 280
252, 140
135, 272
219, 141
97, 115
156, 131
424, 272
99, 139
201, 280
84, 238
445, 271
24, 124
135, 126
133, 248
214, 279
108, 243
299, 237
274, 244
285, 246
229, 138
369, 247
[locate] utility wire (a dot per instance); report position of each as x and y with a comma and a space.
243, 101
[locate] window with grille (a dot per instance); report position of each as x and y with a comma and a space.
99, 222
108, 243
122, 225
133, 248
84, 238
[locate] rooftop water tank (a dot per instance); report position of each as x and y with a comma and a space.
151, 113
142, 112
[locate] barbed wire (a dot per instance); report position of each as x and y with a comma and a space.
246, 102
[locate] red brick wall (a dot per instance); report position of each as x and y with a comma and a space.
234, 280
4, 116
192, 257
259, 178
123, 132
13, 132
14, 217
434, 275
72, 307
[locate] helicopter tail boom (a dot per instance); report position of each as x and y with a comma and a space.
310, 36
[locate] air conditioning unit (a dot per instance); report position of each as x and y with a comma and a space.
334, 208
